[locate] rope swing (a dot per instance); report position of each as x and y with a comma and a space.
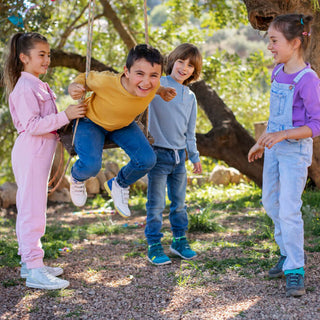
66, 137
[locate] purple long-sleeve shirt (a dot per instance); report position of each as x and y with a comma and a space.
306, 99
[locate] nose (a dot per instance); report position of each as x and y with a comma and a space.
269, 47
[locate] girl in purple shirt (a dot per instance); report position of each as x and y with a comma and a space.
35, 116
287, 143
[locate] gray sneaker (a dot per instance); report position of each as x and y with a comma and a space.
276, 271
55, 271
295, 285
40, 278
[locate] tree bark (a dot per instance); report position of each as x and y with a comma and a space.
260, 14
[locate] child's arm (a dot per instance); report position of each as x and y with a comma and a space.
166, 93
255, 152
270, 139
75, 111
197, 168
76, 90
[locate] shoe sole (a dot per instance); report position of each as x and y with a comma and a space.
55, 274
117, 209
46, 287
295, 292
276, 275
180, 255
159, 264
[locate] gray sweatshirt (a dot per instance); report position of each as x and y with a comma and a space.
172, 124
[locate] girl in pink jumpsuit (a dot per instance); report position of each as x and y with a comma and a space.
35, 116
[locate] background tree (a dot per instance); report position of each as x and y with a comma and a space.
119, 25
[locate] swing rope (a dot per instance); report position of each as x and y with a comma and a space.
89, 54
88, 66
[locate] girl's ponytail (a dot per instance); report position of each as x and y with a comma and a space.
13, 65
19, 43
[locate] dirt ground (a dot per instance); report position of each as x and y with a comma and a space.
111, 279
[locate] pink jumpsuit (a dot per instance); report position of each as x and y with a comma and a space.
34, 114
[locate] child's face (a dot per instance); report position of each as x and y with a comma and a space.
142, 77
281, 49
38, 60
182, 70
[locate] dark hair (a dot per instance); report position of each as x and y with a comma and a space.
294, 26
144, 51
19, 43
186, 51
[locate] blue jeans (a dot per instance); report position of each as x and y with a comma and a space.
88, 144
166, 172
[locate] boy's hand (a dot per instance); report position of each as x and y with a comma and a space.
166, 93
197, 168
75, 111
76, 90
255, 152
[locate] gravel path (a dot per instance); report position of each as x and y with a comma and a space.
110, 279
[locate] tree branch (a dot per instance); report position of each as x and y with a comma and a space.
111, 15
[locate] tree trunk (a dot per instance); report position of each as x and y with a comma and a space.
227, 140
260, 14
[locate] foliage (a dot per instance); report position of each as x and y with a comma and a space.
203, 221
243, 87
64, 24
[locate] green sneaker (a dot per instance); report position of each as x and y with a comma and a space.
156, 255
180, 247
276, 271
295, 285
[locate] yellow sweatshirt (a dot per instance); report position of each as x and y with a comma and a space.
110, 105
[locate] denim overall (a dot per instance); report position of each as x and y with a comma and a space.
284, 175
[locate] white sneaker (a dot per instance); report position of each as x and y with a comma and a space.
55, 271
120, 197
78, 192
40, 278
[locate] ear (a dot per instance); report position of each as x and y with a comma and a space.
23, 58
296, 43
126, 71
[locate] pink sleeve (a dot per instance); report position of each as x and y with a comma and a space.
37, 117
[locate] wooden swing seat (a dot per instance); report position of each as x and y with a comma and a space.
66, 135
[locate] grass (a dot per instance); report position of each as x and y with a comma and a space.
233, 215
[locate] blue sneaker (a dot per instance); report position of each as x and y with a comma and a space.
156, 255
180, 247
295, 285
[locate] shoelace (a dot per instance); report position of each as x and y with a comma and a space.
294, 279
125, 195
77, 186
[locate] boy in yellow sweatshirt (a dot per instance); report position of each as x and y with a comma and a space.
112, 107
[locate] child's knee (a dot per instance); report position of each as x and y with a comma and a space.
88, 168
150, 160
